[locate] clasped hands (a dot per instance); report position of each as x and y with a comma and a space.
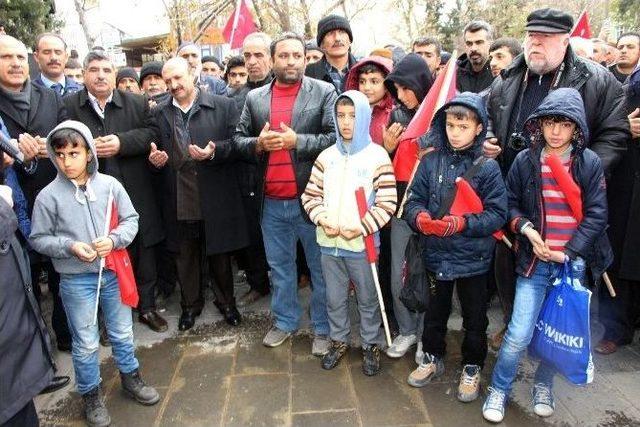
445, 227
100, 247
270, 140
541, 248
333, 230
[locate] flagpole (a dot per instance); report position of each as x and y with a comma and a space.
102, 260
442, 98
235, 21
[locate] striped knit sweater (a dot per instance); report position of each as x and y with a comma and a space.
330, 193
560, 223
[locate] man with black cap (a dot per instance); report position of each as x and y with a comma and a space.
334, 38
547, 64
211, 66
314, 53
127, 80
151, 81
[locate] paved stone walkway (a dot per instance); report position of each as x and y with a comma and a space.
218, 375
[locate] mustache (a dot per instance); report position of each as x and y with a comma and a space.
338, 44
54, 63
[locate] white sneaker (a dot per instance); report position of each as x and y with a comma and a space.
543, 404
400, 346
493, 408
419, 353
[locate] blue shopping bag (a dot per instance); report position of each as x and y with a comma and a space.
561, 337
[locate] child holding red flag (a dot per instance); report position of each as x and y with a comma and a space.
330, 200
558, 208
458, 249
69, 218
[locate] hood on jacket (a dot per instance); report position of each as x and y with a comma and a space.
361, 137
352, 78
565, 102
412, 72
437, 135
83, 130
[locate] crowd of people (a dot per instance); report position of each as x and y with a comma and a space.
256, 162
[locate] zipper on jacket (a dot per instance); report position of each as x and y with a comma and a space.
344, 171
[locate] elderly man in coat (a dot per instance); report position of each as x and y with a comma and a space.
202, 208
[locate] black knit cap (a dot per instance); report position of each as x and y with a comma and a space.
153, 67
330, 23
211, 58
549, 20
127, 72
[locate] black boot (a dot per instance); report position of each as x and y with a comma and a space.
133, 384
337, 350
94, 409
371, 360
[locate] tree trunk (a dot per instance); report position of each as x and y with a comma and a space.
91, 39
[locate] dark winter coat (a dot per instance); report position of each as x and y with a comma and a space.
524, 188
126, 116
311, 119
213, 118
624, 199
603, 99
318, 70
26, 360
470, 252
468, 80
46, 111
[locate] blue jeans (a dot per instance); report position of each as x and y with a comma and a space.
283, 224
530, 294
78, 292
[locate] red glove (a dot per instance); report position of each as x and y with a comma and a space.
454, 224
423, 222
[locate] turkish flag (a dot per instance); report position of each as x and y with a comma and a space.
468, 202
119, 262
441, 92
582, 28
239, 25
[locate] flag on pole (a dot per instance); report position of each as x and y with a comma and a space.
119, 262
582, 28
442, 91
239, 25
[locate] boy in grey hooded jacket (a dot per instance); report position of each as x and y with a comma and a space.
68, 224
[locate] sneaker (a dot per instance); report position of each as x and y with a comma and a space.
335, 353
95, 410
371, 360
419, 353
493, 408
469, 386
133, 385
400, 346
320, 345
275, 337
543, 405
429, 368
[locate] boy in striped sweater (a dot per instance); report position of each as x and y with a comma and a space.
543, 186
329, 200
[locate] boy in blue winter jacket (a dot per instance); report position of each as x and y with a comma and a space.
68, 224
456, 249
548, 232
330, 201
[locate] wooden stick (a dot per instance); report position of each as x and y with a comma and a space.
383, 312
607, 281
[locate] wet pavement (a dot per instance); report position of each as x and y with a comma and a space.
219, 375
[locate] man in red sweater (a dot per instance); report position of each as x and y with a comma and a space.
283, 127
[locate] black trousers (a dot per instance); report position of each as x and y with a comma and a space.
505, 276
166, 265
472, 292
144, 264
619, 314
58, 316
253, 259
190, 269
25, 417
